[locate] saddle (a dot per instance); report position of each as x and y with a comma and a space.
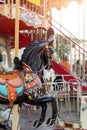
14, 78
11, 84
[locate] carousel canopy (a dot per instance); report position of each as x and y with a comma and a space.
7, 24
7, 29
61, 3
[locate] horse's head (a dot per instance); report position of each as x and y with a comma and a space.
48, 50
47, 54
39, 52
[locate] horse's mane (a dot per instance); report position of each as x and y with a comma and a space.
32, 54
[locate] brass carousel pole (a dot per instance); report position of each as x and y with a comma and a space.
15, 119
17, 29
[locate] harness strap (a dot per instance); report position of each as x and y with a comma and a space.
26, 67
11, 94
31, 84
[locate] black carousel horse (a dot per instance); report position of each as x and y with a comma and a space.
38, 55
22, 85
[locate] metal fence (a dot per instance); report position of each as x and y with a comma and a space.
68, 96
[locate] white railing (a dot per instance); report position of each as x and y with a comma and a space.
68, 95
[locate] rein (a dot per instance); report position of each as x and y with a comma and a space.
42, 68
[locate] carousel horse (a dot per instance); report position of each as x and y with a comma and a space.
22, 85
38, 55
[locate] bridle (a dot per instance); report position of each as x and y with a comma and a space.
46, 49
44, 66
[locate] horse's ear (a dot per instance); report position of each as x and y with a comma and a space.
17, 63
